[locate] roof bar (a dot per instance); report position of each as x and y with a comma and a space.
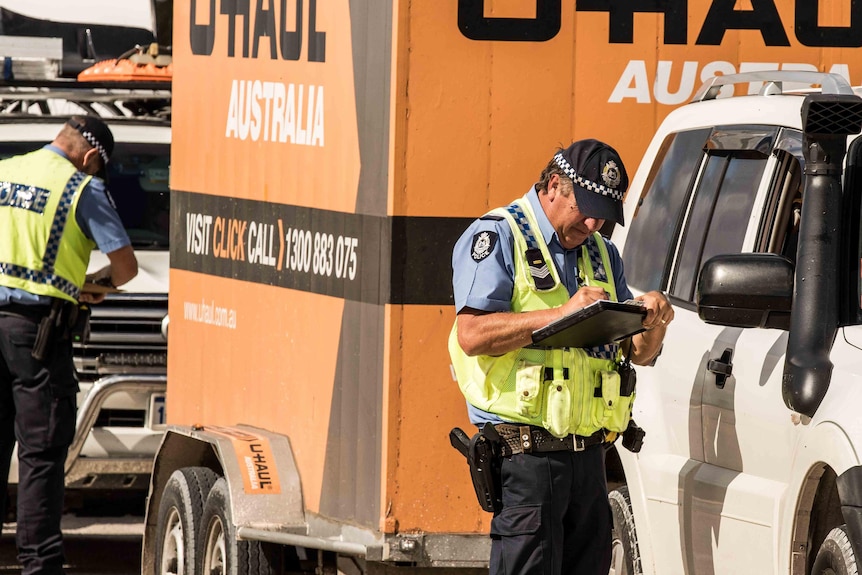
88, 94
773, 80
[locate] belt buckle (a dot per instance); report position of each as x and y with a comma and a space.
578, 443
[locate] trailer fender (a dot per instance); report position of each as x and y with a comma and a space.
258, 466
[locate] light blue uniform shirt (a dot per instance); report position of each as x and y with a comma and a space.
487, 284
97, 218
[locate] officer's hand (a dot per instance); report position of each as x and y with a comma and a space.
90, 297
583, 297
659, 310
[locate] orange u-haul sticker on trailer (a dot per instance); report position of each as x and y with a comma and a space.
257, 464
255, 458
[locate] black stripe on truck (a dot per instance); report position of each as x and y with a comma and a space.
370, 259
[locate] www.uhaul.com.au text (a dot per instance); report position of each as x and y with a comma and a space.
210, 314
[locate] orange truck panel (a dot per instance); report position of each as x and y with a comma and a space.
323, 166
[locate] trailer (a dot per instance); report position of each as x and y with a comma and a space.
325, 157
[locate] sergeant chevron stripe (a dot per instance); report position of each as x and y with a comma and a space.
535, 260
539, 272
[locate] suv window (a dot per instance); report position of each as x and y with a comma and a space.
138, 181
719, 215
779, 229
649, 247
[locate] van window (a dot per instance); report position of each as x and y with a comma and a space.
138, 176
650, 244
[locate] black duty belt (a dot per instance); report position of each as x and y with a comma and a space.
532, 439
31, 312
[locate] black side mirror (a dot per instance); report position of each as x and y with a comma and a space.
746, 290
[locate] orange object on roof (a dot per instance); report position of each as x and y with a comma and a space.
139, 64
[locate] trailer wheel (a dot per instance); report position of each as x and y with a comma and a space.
219, 550
835, 556
179, 516
625, 555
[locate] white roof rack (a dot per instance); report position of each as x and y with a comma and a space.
147, 101
773, 81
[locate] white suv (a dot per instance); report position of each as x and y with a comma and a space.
122, 367
739, 211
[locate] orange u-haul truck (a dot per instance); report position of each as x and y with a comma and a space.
326, 155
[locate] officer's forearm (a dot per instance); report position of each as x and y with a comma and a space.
500, 332
646, 345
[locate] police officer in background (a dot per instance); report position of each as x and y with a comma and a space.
516, 270
53, 213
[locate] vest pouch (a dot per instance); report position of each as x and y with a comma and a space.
528, 389
622, 414
610, 411
558, 408
606, 395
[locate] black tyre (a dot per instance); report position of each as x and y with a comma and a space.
179, 517
835, 556
219, 551
625, 555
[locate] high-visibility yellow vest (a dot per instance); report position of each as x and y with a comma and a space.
43, 250
565, 390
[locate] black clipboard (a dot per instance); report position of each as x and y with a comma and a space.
599, 323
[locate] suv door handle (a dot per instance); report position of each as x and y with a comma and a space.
722, 368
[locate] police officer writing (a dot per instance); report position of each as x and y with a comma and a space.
53, 213
517, 269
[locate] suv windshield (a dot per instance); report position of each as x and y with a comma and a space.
138, 176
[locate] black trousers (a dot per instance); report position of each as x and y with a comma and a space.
556, 519
38, 410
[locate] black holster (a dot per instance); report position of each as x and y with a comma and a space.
66, 320
48, 328
483, 454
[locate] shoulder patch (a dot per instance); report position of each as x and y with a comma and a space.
492, 217
483, 244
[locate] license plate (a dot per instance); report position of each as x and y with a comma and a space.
158, 414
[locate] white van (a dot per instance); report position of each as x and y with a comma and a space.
121, 367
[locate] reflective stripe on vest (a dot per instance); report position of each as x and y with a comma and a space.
46, 278
563, 390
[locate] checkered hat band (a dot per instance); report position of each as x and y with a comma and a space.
40, 276
585, 183
524, 225
52, 248
95, 143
